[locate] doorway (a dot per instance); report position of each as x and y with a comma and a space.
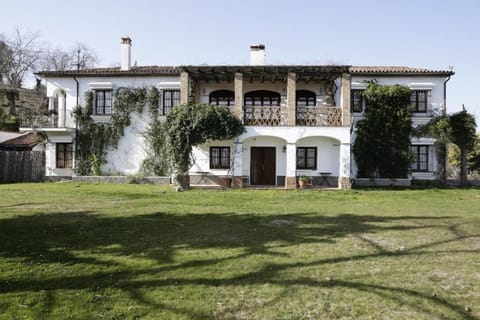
262, 166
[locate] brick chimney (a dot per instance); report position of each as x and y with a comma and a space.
126, 55
257, 55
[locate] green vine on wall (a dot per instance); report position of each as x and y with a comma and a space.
95, 139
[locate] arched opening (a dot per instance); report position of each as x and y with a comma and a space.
305, 98
262, 98
222, 98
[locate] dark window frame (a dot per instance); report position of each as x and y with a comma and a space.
421, 158
259, 98
222, 98
103, 102
419, 100
219, 157
306, 97
64, 156
170, 99
303, 154
357, 100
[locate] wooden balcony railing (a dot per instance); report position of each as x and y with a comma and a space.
263, 116
314, 116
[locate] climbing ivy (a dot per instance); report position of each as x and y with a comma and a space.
94, 139
190, 125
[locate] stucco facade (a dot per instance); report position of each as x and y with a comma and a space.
299, 120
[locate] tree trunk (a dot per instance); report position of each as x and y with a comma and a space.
181, 181
463, 166
11, 97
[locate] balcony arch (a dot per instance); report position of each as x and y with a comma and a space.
305, 98
222, 98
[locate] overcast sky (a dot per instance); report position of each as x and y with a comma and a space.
432, 34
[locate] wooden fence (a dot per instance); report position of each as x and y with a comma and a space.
22, 166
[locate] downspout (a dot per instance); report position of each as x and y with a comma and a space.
444, 113
76, 130
445, 94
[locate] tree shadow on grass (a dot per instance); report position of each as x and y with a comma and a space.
58, 237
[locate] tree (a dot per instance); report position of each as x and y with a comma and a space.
80, 56
463, 135
474, 157
21, 56
190, 125
457, 128
382, 146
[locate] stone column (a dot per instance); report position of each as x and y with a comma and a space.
237, 165
345, 98
51, 111
238, 87
184, 87
344, 182
291, 174
291, 99
61, 110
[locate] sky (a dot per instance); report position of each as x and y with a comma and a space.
433, 34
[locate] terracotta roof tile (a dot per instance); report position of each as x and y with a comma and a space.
396, 70
115, 71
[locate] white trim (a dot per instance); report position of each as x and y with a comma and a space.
169, 85
100, 85
421, 85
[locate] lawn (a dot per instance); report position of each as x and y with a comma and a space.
86, 251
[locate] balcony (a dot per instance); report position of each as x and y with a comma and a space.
313, 116
31, 118
310, 116
263, 116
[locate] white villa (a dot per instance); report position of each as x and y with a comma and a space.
299, 119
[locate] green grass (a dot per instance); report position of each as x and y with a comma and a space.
85, 251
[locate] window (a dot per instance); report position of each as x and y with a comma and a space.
219, 157
305, 98
171, 98
262, 98
357, 100
307, 158
222, 98
419, 100
420, 156
64, 155
103, 102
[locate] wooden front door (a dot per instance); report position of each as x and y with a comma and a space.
262, 166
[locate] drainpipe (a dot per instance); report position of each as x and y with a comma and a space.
445, 94
76, 131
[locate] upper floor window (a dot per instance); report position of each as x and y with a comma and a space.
357, 100
420, 156
307, 158
419, 100
170, 99
262, 98
103, 102
219, 157
64, 155
222, 98
305, 98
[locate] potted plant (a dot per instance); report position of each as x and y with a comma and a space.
302, 181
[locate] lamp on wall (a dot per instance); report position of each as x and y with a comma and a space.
284, 149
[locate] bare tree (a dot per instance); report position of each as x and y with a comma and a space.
80, 56
21, 56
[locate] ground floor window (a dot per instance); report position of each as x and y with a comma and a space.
307, 158
64, 155
420, 158
219, 157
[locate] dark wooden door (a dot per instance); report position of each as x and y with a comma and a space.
262, 166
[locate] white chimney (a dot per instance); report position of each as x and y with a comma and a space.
257, 55
126, 61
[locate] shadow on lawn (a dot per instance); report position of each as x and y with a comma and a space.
55, 237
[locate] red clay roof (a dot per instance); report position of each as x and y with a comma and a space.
27, 140
115, 71
171, 70
396, 70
